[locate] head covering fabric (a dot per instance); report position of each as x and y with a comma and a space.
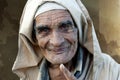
47, 7
29, 56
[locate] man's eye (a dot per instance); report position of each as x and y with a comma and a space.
43, 31
65, 27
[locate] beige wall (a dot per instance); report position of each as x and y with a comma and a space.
105, 15
109, 30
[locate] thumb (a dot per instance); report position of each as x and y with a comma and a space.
67, 73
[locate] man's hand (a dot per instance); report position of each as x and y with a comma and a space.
67, 73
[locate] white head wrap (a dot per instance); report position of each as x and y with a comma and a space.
29, 56
47, 7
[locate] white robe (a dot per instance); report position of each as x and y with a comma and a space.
29, 59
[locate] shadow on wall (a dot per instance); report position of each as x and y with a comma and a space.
10, 12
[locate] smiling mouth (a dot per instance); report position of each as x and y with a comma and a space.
59, 50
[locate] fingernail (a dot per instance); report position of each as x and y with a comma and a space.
62, 66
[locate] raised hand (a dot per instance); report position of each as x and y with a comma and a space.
68, 75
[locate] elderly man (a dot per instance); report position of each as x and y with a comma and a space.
57, 41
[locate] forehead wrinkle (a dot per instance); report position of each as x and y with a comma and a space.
50, 17
64, 12
44, 22
53, 12
61, 18
57, 21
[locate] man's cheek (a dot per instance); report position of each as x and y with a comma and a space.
72, 39
42, 43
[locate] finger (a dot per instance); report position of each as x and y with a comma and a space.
67, 73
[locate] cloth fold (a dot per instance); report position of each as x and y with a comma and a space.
29, 54
29, 58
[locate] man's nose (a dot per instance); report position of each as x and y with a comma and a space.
56, 39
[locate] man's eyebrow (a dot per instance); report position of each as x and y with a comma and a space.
68, 22
41, 27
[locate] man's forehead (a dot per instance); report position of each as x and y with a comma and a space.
53, 16
54, 12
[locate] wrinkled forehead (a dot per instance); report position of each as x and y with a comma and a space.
51, 12
54, 12
54, 16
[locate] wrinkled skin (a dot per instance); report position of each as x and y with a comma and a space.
57, 37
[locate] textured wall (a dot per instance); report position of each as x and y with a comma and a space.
109, 30
10, 11
105, 18
93, 9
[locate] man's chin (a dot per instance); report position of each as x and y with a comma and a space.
57, 62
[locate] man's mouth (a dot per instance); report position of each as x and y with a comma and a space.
59, 50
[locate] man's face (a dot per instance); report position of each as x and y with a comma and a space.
56, 36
